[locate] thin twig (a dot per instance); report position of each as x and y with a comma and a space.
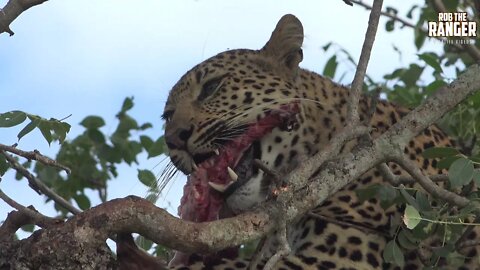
38, 185
12, 223
357, 84
428, 185
37, 218
34, 155
387, 14
396, 180
267, 170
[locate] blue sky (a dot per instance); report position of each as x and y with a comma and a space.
84, 57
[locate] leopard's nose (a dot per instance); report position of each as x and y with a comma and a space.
177, 138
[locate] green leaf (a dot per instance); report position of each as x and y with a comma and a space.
393, 254
391, 10
476, 176
410, 12
82, 201
127, 104
330, 67
434, 86
389, 26
440, 152
60, 129
92, 121
146, 142
405, 240
387, 193
157, 148
144, 243
395, 74
422, 202
28, 128
460, 172
451, 5
96, 136
4, 166
432, 60
13, 118
419, 37
147, 178
28, 228
45, 130
326, 46
411, 75
145, 126
367, 193
456, 259
411, 218
409, 198
446, 162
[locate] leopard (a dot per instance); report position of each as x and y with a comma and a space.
217, 100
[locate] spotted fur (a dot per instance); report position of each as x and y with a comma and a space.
214, 101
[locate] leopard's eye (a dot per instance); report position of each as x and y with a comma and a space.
210, 87
167, 115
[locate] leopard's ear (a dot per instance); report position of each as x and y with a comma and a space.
285, 44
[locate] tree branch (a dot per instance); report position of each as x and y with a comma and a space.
428, 184
34, 155
357, 84
12, 10
38, 185
36, 217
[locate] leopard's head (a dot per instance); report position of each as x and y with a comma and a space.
215, 104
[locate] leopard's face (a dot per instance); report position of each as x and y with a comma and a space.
218, 101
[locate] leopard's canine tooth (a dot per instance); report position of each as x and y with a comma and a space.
232, 174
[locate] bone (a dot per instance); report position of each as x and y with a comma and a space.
216, 152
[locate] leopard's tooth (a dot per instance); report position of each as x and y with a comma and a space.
195, 167
232, 174
216, 152
217, 187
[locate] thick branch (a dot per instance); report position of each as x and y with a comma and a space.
12, 10
134, 214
